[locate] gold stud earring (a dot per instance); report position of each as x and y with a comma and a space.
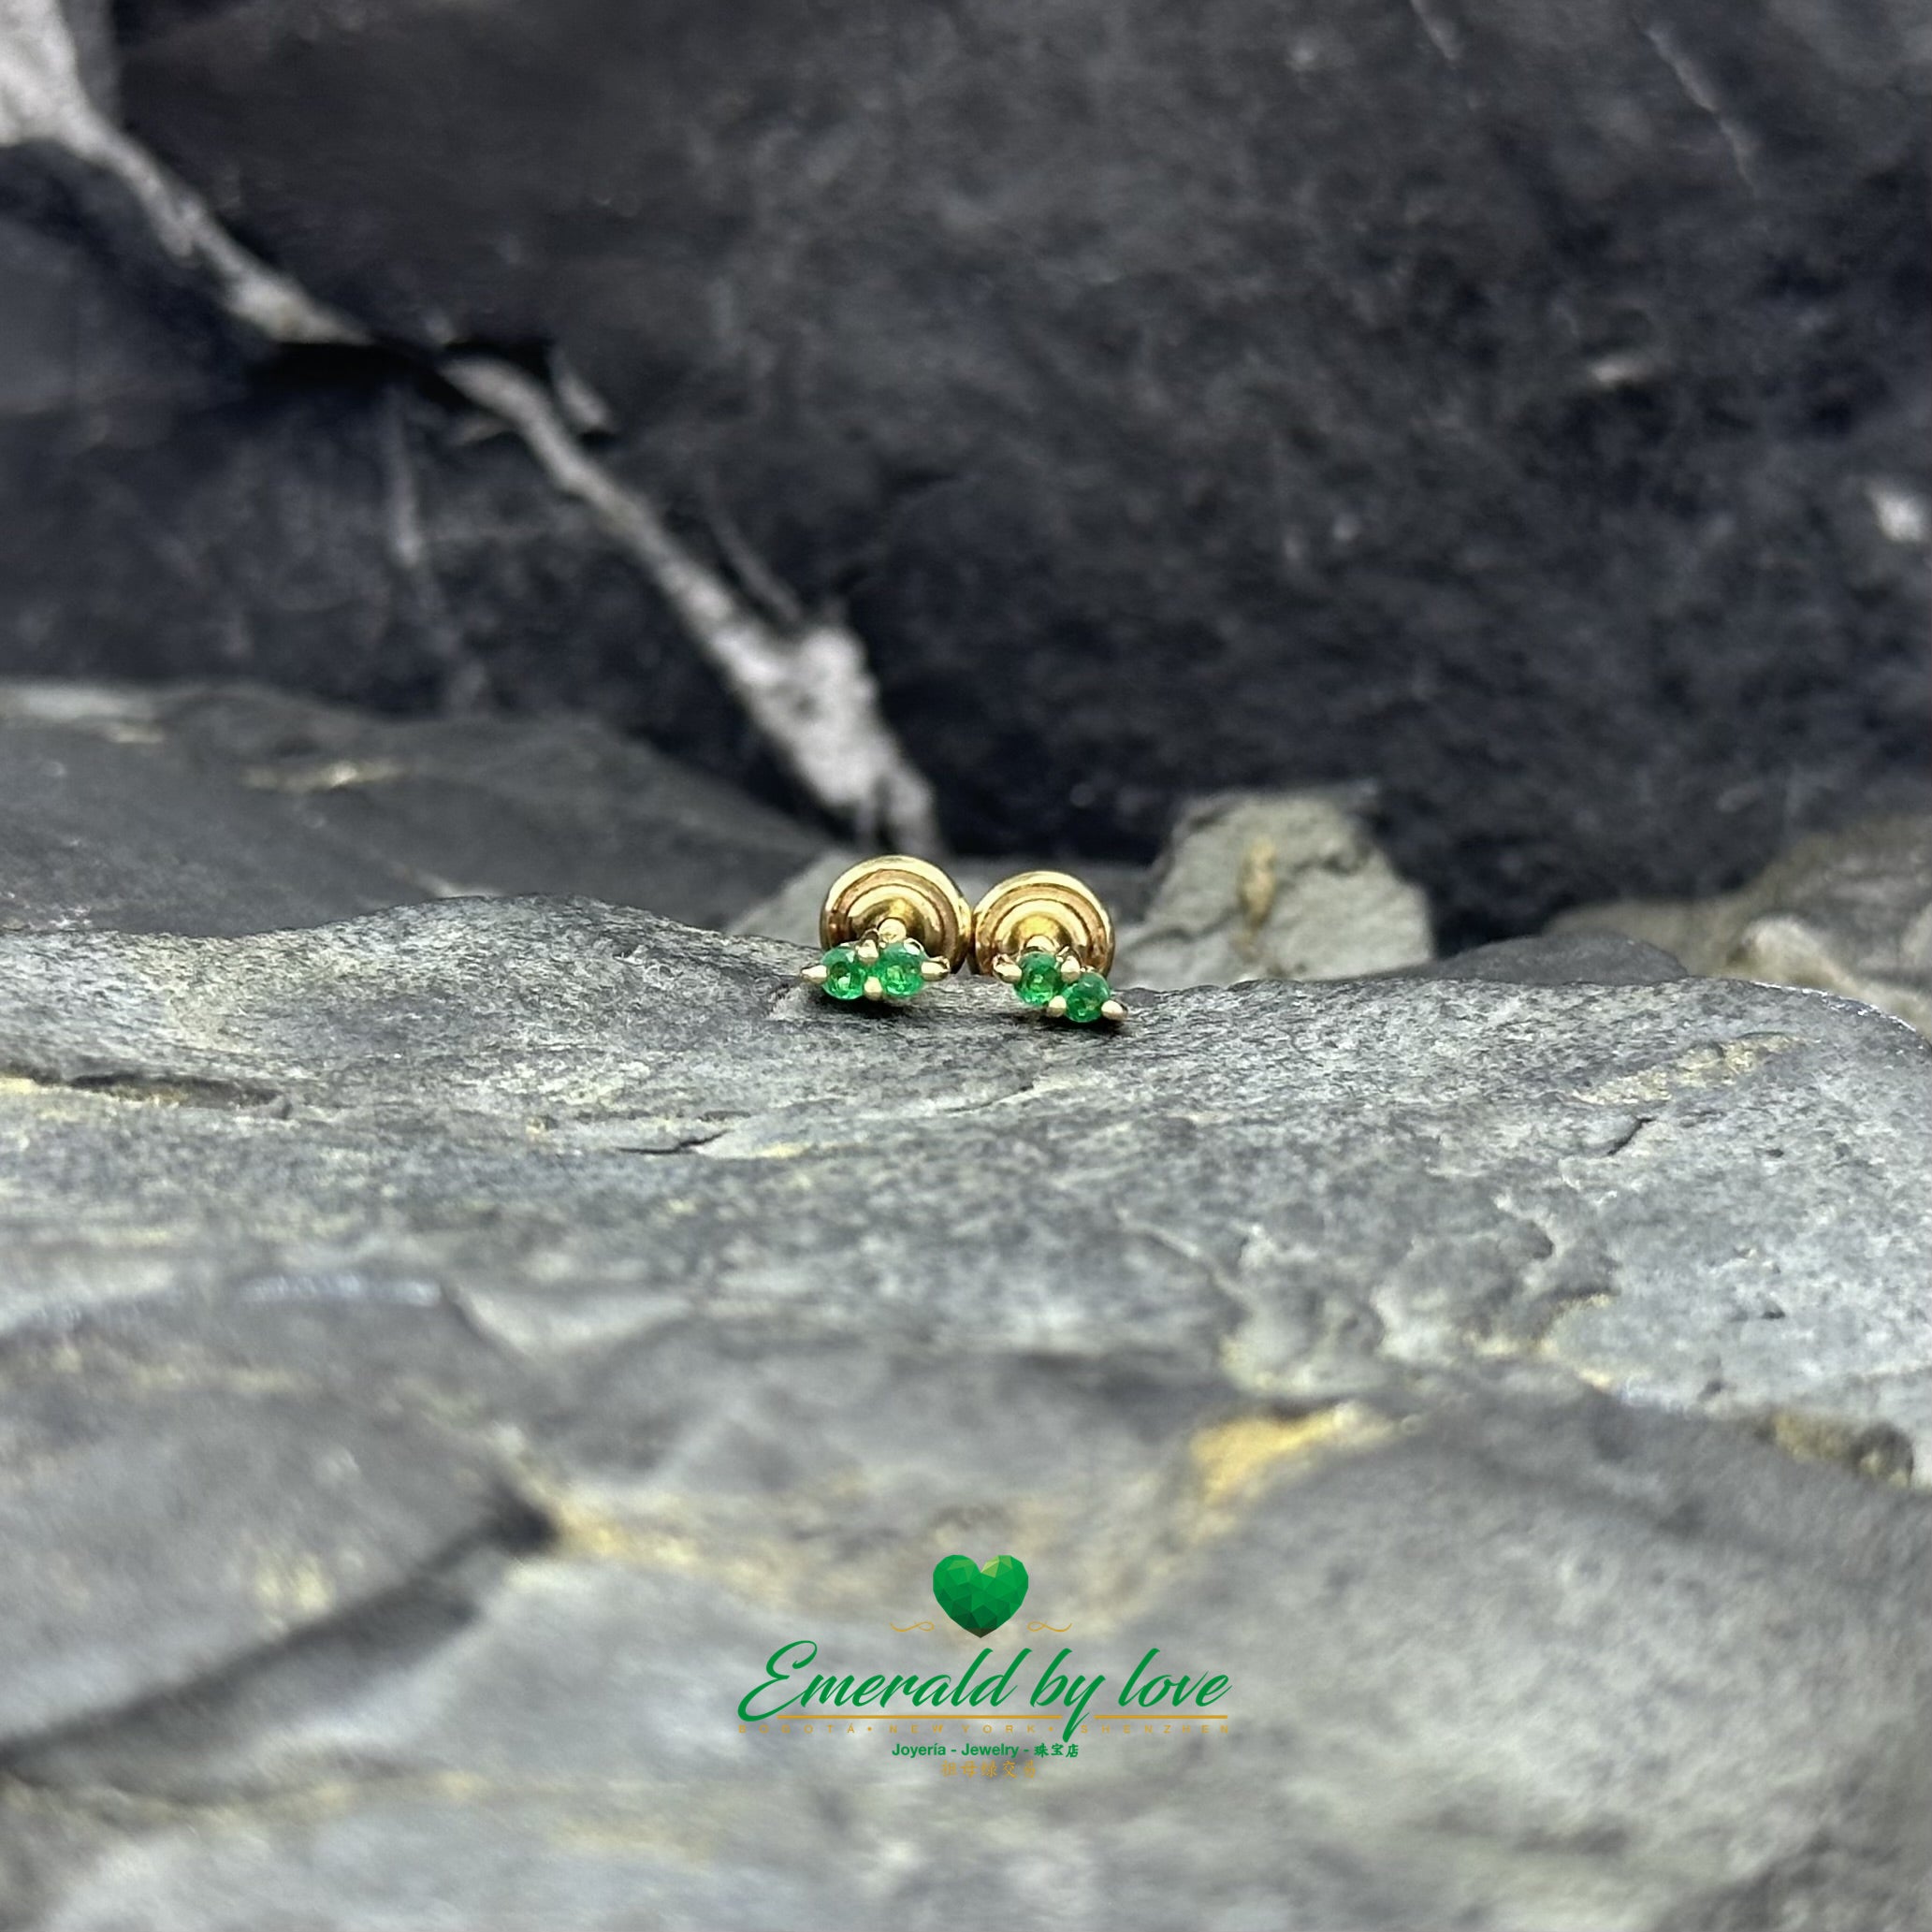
890, 926
1048, 936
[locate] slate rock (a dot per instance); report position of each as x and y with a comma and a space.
236, 808
1402, 1347
1850, 912
1557, 959
165, 1520
101, 832
550, 1763
1282, 886
1498, 404
1317, 1181
180, 500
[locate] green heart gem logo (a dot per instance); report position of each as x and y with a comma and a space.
979, 1599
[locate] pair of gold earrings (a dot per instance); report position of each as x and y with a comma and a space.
892, 925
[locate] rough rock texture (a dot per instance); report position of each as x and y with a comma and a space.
1568, 959
179, 501
1284, 886
1495, 401
231, 808
1849, 912
551, 1311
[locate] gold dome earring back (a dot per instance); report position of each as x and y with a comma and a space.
1047, 935
890, 926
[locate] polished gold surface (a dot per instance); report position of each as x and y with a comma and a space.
895, 897
1051, 908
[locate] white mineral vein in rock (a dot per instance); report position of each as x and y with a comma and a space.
808, 688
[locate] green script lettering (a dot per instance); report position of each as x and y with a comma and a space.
1126, 1695
776, 1677
959, 1689
995, 1690
1055, 1688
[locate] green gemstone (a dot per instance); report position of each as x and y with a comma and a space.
901, 970
1085, 998
1040, 977
845, 973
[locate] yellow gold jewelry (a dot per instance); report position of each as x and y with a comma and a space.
890, 926
1048, 936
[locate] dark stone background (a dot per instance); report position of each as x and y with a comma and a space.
1494, 400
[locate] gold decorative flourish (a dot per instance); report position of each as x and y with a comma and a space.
924, 1623
1058, 1629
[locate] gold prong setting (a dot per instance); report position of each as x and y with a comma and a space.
1056, 981
885, 965
894, 926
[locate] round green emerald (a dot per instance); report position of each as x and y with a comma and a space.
901, 970
845, 973
1040, 977
1085, 998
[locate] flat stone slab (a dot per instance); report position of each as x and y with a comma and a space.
577, 1309
169, 1513
235, 808
1311, 1188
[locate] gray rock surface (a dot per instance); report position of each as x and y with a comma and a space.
1848, 912
1557, 959
1273, 886
551, 1311
236, 808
